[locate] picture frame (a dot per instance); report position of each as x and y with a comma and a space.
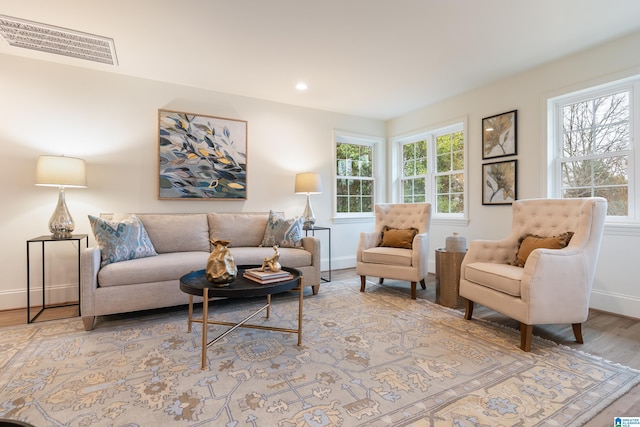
201, 157
500, 135
499, 182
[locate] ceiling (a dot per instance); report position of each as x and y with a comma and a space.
371, 58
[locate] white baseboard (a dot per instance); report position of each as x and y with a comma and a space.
624, 305
54, 294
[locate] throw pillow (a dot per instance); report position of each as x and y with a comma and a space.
121, 240
529, 242
398, 238
286, 233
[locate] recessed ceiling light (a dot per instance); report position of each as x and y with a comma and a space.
301, 86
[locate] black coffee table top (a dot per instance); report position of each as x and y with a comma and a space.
193, 283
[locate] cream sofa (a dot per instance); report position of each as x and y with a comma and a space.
182, 242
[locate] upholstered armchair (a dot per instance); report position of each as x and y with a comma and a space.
399, 246
553, 286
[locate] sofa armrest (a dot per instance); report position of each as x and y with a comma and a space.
312, 244
90, 266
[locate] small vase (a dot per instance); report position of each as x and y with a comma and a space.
455, 243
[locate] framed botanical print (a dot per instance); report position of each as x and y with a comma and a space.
201, 157
499, 182
499, 135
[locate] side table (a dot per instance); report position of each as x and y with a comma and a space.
448, 278
45, 241
313, 233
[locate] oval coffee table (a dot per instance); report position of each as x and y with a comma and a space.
196, 283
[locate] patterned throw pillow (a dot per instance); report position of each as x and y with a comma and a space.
286, 233
121, 240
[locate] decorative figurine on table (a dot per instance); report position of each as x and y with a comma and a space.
221, 267
272, 263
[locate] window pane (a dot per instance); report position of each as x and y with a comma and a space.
342, 204
408, 168
354, 204
366, 168
443, 203
619, 205
444, 163
458, 161
442, 184
457, 183
342, 187
367, 187
367, 204
341, 168
354, 187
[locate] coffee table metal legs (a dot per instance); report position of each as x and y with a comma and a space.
234, 325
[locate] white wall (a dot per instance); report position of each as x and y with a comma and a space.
111, 121
616, 286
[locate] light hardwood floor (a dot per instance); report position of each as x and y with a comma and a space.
612, 337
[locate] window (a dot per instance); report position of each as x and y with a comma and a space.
592, 147
433, 170
355, 175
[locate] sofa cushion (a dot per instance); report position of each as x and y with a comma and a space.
501, 277
289, 257
386, 255
286, 233
241, 229
161, 268
177, 232
121, 240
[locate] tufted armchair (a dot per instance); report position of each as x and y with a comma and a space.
554, 286
382, 253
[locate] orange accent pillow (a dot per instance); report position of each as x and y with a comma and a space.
529, 242
398, 238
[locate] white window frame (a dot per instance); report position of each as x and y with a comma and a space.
430, 136
555, 140
375, 143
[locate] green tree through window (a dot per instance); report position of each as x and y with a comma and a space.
354, 178
432, 169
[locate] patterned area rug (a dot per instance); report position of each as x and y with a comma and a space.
368, 359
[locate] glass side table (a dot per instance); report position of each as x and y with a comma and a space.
45, 241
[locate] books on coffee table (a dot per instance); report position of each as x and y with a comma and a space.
266, 276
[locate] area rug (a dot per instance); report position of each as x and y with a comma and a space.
368, 359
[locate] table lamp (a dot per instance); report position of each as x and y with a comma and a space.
308, 183
61, 172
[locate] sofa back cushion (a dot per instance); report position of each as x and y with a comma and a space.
242, 229
177, 232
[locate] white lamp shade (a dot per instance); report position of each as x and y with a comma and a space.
59, 171
308, 183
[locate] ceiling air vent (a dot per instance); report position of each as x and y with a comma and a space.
60, 41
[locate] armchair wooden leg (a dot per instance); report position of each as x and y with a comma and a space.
468, 313
525, 336
363, 283
577, 331
423, 284
413, 290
